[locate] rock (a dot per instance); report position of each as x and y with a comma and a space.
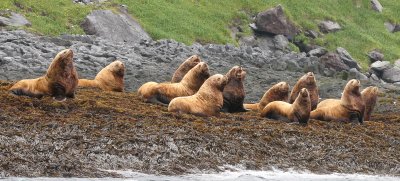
274, 21
115, 27
380, 66
311, 34
347, 59
355, 74
318, 52
333, 61
88, 1
376, 5
375, 56
374, 77
281, 42
397, 63
396, 29
329, 26
389, 26
13, 19
391, 75
247, 41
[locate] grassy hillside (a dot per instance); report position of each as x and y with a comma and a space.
209, 21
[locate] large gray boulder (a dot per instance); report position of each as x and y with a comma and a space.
274, 21
347, 59
397, 63
115, 27
376, 5
8, 18
333, 61
329, 26
375, 56
391, 75
380, 66
318, 52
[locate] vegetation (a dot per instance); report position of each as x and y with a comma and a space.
205, 21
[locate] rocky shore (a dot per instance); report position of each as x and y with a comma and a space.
99, 131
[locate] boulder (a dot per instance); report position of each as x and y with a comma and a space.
333, 61
389, 26
380, 66
375, 56
397, 63
274, 21
347, 59
391, 75
281, 42
311, 34
13, 19
329, 26
396, 29
355, 74
318, 52
376, 5
374, 78
115, 27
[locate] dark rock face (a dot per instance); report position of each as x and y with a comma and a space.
274, 21
375, 56
391, 75
8, 18
347, 59
333, 61
114, 27
376, 5
329, 26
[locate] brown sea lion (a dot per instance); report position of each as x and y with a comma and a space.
278, 92
110, 78
207, 101
306, 81
234, 91
299, 111
349, 106
185, 67
60, 80
163, 93
369, 96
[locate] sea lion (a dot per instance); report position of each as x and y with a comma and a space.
349, 106
278, 92
369, 96
60, 80
234, 91
185, 67
163, 93
110, 78
208, 101
299, 111
306, 81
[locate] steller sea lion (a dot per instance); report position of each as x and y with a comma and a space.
349, 106
234, 91
207, 101
306, 81
110, 78
163, 93
60, 80
369, 96
278, 92
299, 111
185, 67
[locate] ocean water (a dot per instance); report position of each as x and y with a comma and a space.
237, 175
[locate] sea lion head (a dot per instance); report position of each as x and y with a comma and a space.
202, 69
117, 68
236, 73
218, 81
193, 61
352, 99
281, 88
303, 106
62, 64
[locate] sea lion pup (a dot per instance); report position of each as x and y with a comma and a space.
306, 81
278, 92
207, 101
299, 111
369, 96
349, 106
60, 80
110, 78
185, 67
234, 91
163, 93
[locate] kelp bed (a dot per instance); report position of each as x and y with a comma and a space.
100, 131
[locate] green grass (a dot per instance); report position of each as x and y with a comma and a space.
207, 21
